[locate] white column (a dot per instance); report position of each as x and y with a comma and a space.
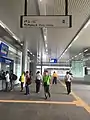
24, 56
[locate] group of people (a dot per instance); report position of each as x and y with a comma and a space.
46, 81
26, 79
8, 79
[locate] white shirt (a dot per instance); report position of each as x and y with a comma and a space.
68, 77
39, 76
7, 78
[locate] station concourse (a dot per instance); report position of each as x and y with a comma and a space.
45, 35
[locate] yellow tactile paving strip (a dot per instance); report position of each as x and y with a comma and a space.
79, 101
37, 102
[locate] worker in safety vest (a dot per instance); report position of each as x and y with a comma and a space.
46, 83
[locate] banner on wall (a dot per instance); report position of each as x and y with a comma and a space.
3, 49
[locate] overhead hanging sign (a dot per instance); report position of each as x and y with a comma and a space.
53, 60
46, 21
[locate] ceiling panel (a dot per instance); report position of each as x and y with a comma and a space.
60, 38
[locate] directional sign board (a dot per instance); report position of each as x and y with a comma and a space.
46, 21
53, 60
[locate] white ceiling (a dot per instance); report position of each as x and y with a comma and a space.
58, 39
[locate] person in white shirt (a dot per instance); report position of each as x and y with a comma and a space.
7, 80
38, 81
68, 80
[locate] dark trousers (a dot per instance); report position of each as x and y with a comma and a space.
22, 86
37, 86
46, 90
27, 89
55, 80
12, 84
68, 85
3, 81
7, 86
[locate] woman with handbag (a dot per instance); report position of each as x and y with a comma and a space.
28, 82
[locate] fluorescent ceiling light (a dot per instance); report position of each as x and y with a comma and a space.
45, 37
2, 24
87, 24
86, 50
46, 45
65, 51
75, 56
69, 45
76, 38
6, 28
80, 53
28, 50
21, 44
15, 37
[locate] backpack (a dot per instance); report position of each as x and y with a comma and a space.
20, 79
28, 80
14, 77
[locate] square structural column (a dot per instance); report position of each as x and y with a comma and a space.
24, 56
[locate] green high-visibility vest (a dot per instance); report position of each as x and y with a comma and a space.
46, 79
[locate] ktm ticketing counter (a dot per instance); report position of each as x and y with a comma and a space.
6, 64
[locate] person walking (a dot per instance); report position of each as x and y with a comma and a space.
55, 77
7, 81
22, 79
46, 83
27, 82
3, 79
38, 81
68, 80
13, 77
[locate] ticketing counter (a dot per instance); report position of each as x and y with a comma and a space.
10, 59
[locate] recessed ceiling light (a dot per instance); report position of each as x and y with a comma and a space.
72, 57
21, 44
46, 50
31, 53
75, 56
40, 0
